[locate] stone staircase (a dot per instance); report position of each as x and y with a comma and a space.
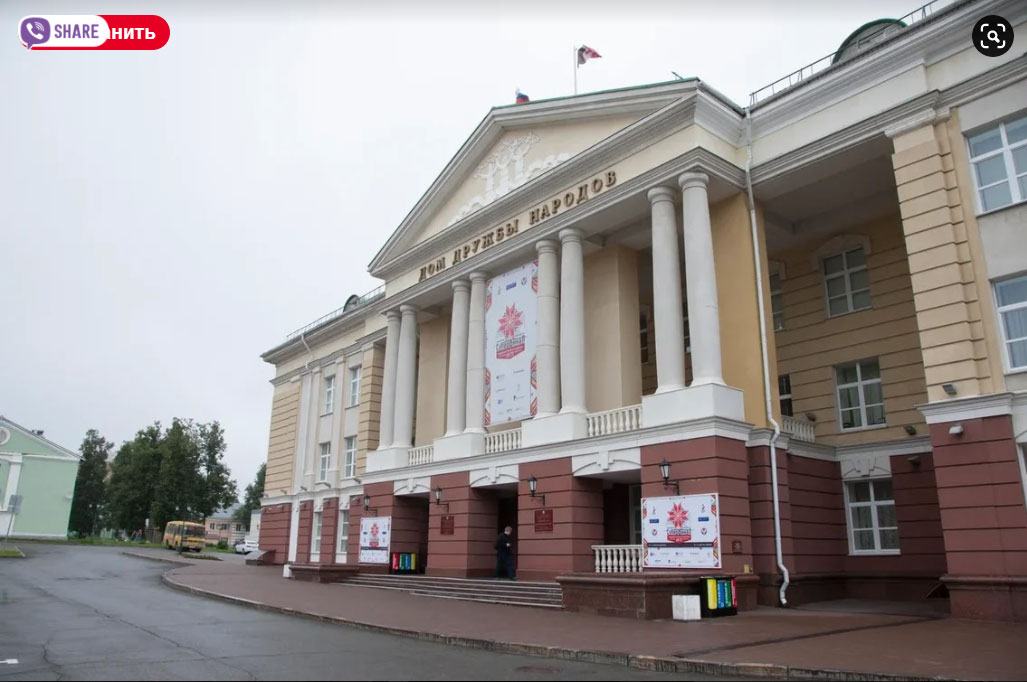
538, 594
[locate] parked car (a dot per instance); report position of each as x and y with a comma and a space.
245, 546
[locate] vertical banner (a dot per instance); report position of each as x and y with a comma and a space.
511, 334
682, 531
375, 533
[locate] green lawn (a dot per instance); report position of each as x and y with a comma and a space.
11, 552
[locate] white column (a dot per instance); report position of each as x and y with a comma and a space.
701, 280
406, 379
548, 346
476, 355
670, 328
387, 417
572, 323
456, 385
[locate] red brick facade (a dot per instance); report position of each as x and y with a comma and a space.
274, 530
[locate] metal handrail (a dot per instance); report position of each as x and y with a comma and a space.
369, 297
824, 63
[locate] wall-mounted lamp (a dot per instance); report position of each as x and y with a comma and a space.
811, 417
367, 504
956, 430
665, 474
324, 483
283, 491
303, 488
533, 488
438, 498
910, 429
949, 388
914, 460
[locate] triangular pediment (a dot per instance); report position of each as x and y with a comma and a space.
514, 146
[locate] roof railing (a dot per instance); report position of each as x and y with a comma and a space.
353, 303
865, 42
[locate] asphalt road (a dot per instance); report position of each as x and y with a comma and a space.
90, 613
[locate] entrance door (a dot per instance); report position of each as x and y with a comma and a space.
506, 513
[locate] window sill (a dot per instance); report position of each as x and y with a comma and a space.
327, 414
882, 552
353, 405
857, 429
849, 312
1002, 208
1017, 370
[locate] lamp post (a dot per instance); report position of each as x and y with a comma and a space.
665, 474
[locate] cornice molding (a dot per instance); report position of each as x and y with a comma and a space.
293, 348
975, 407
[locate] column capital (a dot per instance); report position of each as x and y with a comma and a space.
392, 314
570, 235
408, 309
546, 246
693, 179
661, 193
461, 285
478, 276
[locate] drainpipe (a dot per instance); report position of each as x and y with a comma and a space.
766, 363
310, 353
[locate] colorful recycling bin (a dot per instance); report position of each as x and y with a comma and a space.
718, 596
403, 562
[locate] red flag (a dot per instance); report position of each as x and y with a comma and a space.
585, 53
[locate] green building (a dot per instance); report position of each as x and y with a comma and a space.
43, 474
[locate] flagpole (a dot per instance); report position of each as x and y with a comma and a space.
575, 50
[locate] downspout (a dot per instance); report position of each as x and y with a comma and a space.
310, 353
766, 363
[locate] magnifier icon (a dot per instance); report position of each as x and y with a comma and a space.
993, 36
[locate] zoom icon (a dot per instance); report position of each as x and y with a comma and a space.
993, 36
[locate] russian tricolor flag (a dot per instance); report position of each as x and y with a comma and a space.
522, 98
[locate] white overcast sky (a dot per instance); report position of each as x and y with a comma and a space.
165, 217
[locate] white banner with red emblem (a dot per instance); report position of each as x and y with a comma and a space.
375, 534
681, 532
511, 334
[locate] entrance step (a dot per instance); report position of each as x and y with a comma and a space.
538, 594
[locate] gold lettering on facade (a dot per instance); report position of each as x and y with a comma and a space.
534, 216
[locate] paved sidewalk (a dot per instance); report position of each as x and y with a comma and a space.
767, 642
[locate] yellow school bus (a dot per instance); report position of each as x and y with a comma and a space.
183, 535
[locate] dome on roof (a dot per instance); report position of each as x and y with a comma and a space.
866, 35
350, 302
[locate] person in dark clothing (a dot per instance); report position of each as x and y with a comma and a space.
504, 554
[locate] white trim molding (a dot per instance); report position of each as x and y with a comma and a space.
974, 407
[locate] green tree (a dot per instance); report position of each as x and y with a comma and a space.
179, 491
251, 500
133, 482
218, 489
90, 485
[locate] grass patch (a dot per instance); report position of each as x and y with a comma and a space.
200, 555
11, 553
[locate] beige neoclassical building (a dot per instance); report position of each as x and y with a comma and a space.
808, 313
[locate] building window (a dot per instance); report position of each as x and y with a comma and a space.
224, 526
329, 394
354, 385
350, 466
860, 399
1012, 308
643, 332
343, 531
213, 526
238, 527
847, 282
326, 458
777, 302
999, 160
873, 528
635, 520
784, 389
315, 537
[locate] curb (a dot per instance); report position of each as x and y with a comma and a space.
641, 662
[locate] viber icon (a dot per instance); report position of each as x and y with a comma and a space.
34, 31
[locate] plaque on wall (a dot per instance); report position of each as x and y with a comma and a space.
448, 525
543, 520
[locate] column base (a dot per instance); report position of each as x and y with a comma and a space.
556, 428
389, 458
693, 402
460, 445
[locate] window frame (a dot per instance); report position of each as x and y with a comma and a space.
859, 384
315, 532
324, 462
328, 405
781, 380
342, 533
777, 305
349, 465
1007, 358
355, 375
873, 504
1006, 152
845, 274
